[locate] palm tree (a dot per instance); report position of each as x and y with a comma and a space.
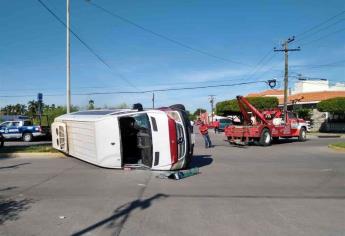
91, 105
32, 107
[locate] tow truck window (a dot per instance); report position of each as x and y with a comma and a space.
291, 115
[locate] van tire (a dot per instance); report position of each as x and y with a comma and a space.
265, 138
178, 107
302, 135
27, 137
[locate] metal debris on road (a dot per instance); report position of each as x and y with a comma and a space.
178, 174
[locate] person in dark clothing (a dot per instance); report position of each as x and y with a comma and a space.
2, 140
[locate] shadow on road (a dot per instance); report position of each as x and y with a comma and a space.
284, 141
201, 160
7, 188
121, 214
14, 166
10, 209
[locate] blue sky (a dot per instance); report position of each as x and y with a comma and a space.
32, 48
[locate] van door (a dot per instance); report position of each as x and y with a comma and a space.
59, 136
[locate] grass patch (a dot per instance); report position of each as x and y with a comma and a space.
29, 149
338, 146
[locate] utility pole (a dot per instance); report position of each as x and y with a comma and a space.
211, 99
286, 74
68, 64
153, 100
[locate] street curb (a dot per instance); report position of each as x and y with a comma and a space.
336, 148
32, 154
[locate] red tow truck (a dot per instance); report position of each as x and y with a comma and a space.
264, 126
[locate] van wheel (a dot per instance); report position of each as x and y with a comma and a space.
27, 137
178, 107
265, 138
302, 135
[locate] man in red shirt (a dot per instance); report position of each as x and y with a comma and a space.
216, 126
204, 132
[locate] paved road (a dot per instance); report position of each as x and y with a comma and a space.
289, 188
21, 143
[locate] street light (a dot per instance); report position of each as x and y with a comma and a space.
68, 69
211, 100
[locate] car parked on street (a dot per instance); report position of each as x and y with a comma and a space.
21, 129
223, 123
159, 139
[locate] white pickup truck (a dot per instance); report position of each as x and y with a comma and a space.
160, 139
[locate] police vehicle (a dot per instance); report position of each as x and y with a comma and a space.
20, 129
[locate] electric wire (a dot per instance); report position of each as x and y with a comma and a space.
322, 37
144, 91
162, 36
85, 44
319, 24
322, 29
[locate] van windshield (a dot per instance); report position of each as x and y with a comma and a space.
136, 139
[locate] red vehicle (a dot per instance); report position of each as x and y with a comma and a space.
264, 126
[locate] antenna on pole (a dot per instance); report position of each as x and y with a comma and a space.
211, 100
286, 50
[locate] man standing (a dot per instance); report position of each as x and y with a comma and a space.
204, 132
216, 126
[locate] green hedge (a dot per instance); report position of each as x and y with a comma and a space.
334, 105
227, 107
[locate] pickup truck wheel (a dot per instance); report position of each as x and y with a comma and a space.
27, 137
302, 135
265, 138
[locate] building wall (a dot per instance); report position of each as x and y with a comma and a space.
318, 119
307, 86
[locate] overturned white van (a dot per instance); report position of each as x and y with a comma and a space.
159, 139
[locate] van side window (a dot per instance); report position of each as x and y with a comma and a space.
154, 124
27, 123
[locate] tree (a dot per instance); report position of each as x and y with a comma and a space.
333, 105
33, 107
199, 111
122, 106
304, 113
227, 107
91, 105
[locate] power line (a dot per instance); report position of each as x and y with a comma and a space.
322, 29
320, 24
162, 36
325, 36
85, 44
145, 91
336, 63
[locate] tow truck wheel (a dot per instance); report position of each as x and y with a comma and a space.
302, 135
265, 138
27, 137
